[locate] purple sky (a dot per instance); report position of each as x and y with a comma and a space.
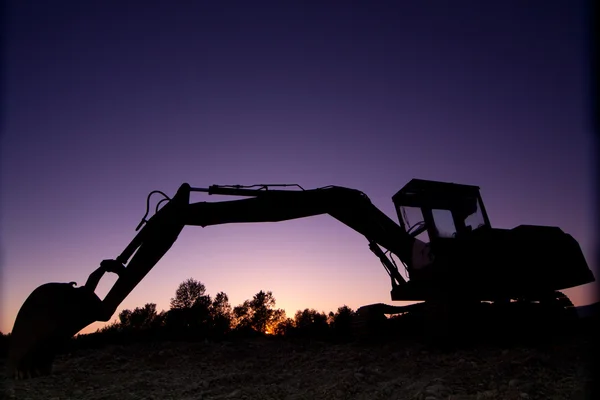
107, 102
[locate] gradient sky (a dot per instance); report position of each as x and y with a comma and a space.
105, 102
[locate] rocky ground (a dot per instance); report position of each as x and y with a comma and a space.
274, 368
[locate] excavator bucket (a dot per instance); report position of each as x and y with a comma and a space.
52, 314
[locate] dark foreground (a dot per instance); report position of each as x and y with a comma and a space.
278, 368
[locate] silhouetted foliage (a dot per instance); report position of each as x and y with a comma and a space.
188, 293
190, 316
284, 327
176, 319
194, 315
192, 322
141, 318
201, 311
220, 312
114, 327
341, 321
258, 314
277, 317
310, 322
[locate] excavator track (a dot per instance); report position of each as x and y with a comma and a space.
528, 319
459, 321
372, 321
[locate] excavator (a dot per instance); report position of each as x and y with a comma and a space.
444, 245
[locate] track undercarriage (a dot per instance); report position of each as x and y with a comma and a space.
469, 321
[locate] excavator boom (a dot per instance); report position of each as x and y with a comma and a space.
349, 206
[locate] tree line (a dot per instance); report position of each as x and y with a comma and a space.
195, 315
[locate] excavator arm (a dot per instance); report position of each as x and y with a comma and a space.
57, 311
349, 206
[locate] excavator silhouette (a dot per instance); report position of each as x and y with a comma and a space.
444, 242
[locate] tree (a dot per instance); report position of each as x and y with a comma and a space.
259, 314
221, 304
221, 313
190, 313
188, 292
330, 318
262, 306
309, 317
311, 322
341, 321
192, 320
277, 318
242, 315
284, 327
140, 318
201, 311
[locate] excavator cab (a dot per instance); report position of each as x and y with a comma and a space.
476, 260
429, 210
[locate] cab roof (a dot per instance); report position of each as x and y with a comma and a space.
419, 191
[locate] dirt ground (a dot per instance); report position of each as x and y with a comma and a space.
273, 368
